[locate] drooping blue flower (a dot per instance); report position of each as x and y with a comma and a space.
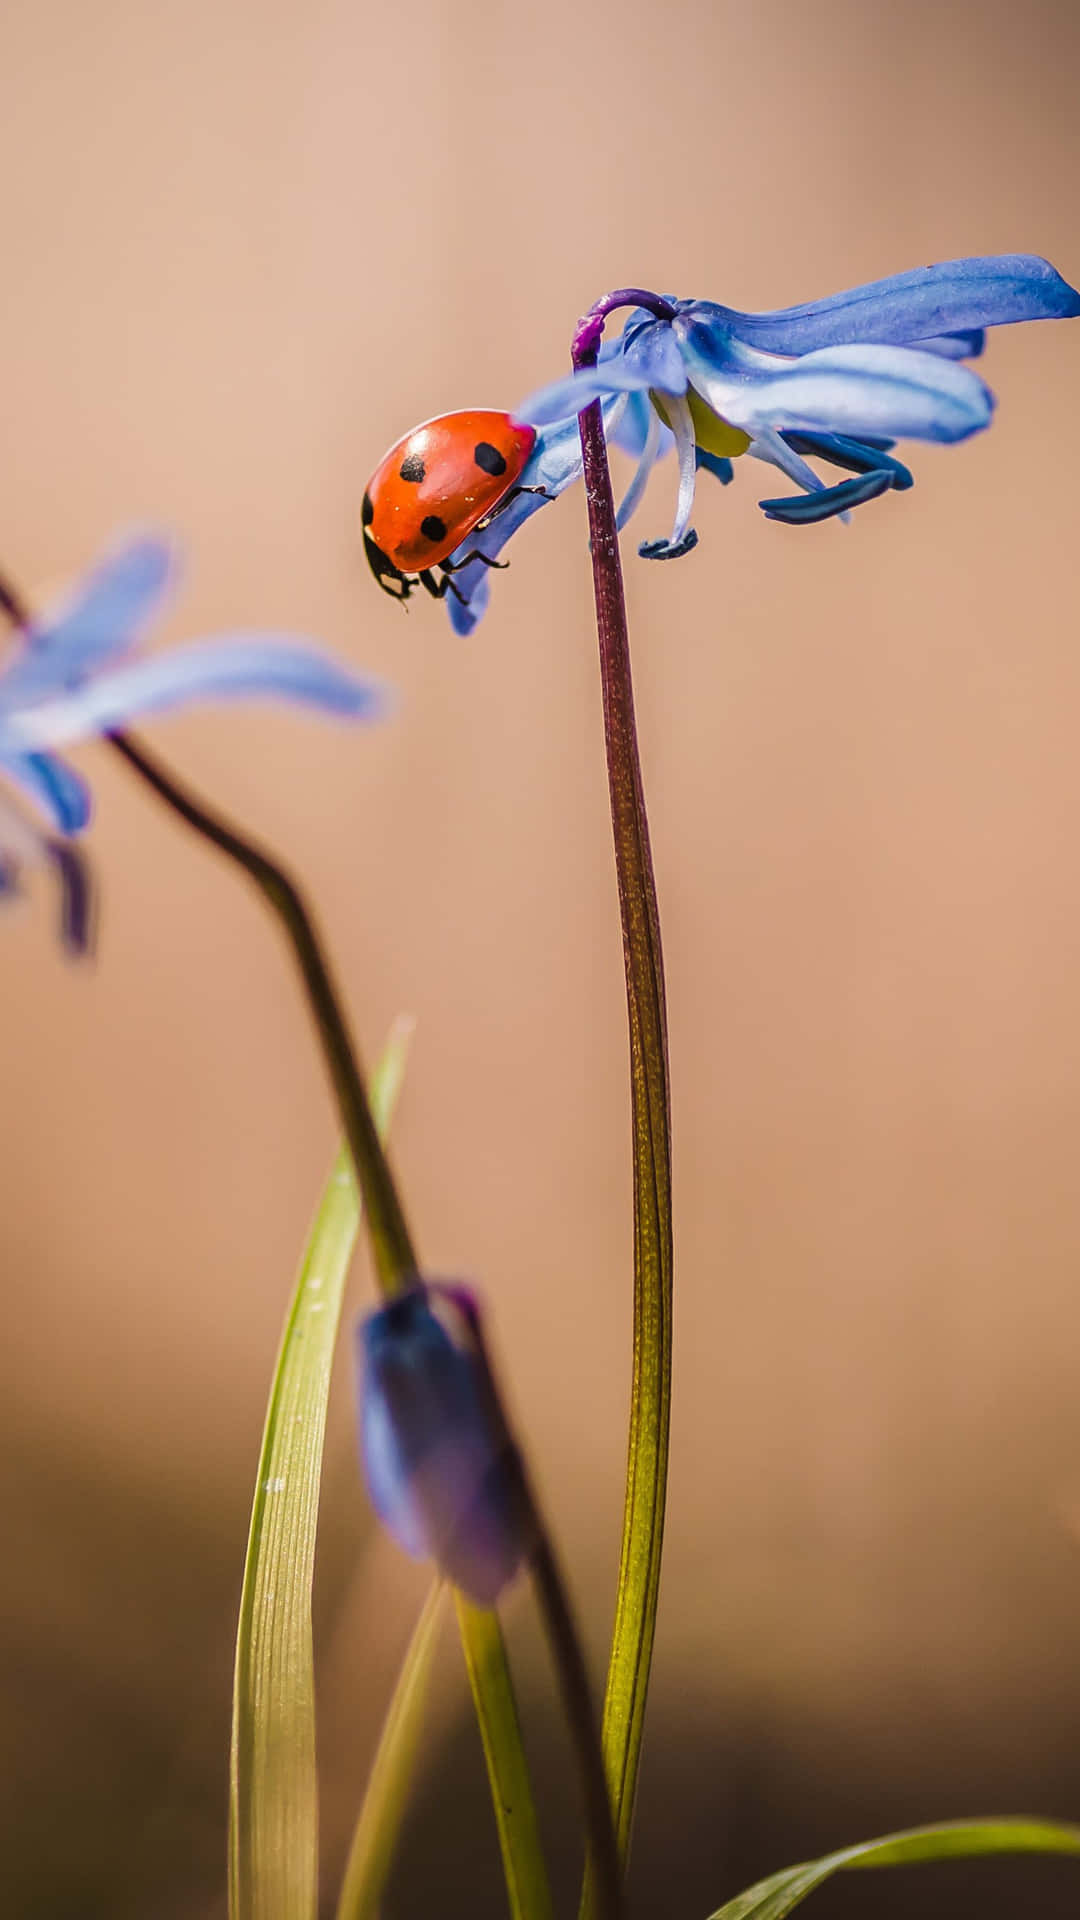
838, 380
441, 1465
69, 677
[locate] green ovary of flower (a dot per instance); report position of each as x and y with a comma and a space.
711, 431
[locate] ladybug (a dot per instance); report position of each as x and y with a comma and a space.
442, 481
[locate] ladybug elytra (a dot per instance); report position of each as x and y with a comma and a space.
440, 483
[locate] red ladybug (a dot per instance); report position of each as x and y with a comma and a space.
432, 489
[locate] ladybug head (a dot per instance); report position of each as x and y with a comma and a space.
390, 578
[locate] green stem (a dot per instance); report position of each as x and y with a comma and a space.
650, 1405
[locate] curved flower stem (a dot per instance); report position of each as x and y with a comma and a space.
485, 1652
396, 1266
650, 1406
392, 1246
586, 341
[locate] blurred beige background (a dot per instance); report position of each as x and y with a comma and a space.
245, 246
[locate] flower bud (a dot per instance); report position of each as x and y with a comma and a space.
441, 1464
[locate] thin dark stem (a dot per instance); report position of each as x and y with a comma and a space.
395, 1260
13, 605
392, 1247
650, 1412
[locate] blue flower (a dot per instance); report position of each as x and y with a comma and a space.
837, 380
441, 1465
70, 677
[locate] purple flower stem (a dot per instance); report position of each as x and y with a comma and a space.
586, 342
646, 1481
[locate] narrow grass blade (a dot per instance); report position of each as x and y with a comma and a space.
273, 1805
771, 1899
511, 1789
387, 1789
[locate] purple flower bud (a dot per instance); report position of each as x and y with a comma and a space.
441, 1464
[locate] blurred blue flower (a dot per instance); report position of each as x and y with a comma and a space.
837, 380
68, 678
441, 1465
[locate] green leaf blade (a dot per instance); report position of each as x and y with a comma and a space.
387, 1790
273, 1799
782, 1892
527, 1887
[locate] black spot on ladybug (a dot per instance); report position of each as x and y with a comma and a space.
489, 459
433, 528
412, 468
367, 511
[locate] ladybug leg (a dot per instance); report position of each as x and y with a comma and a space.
501, 505
456, 565
439, 589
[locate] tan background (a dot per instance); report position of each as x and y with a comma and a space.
245, 246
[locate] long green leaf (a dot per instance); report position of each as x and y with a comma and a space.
771, 1899
388, 1785
511, 1789
273, 1803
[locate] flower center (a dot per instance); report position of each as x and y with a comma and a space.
711, 431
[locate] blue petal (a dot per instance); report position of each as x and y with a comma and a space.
951, 297
717, 464
441, 1465
21, 846
233, 668
894, 391
103, 617
803, 509
554, 464
653, 353
955, 346
572, 394
474, 586
56, 788
631, 499
856, 455
646, 355
631, 429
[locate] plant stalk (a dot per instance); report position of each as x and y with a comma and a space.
392, 1246
650, 1407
